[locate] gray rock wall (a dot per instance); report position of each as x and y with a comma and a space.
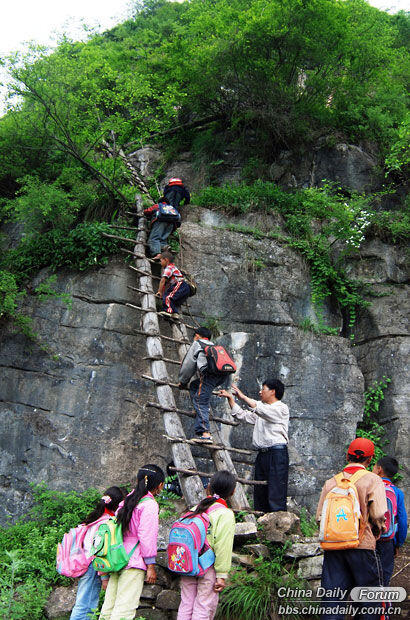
80, 421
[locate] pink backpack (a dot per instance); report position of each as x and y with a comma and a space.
71, 558
189, 552
391, 514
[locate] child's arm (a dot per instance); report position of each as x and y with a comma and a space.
148, 535
161, 287
401, 519
222, 546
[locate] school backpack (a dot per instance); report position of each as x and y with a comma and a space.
189, 552
218, 359
71, 558
191, 282
108, 547
168, 213
341, 526
391, 514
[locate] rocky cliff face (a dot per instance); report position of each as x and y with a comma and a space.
81, 420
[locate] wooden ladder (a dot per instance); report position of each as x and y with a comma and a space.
181, 447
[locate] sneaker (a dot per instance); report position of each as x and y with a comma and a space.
169, 315
202, 439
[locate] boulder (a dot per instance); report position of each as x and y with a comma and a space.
60, 602
310, 568
243, 560
277, 526
258, 550
245, 531
168, 599
150, 591
304, 549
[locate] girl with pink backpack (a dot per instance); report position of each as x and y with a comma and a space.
200, 595
89, 584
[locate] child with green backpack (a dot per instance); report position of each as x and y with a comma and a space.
138, 517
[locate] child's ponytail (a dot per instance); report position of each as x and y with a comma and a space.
149, 478
110, 501
222, 484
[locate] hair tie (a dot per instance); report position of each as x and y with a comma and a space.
216, 496
106, 499
146, 480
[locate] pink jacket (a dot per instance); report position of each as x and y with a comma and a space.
143, 527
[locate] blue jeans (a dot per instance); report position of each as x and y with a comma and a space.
88, 593
201, 392
158, 236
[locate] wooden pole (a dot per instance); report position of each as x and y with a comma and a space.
192, 487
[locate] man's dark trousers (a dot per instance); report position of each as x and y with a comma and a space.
201, 392
346, 569
272, 465
385, 551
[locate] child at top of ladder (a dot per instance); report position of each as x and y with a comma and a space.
165, 219
172, 288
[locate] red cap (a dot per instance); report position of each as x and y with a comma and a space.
361, 447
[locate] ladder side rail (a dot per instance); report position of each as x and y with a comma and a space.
191, 486
221, 458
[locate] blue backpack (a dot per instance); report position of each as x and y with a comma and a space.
168, 213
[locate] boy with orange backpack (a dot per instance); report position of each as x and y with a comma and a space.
396, 517
351, 512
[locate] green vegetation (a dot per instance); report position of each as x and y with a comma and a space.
308, 524
369, 427
315, 219
258, 77
28, 549
251, 595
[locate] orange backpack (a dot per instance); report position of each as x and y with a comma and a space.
341, 525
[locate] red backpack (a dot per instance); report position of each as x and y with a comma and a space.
218, 359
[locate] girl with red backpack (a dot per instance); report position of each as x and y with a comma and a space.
89, 584
200, 595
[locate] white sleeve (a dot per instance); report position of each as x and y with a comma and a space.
243, 414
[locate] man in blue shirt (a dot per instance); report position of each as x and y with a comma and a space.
387, 467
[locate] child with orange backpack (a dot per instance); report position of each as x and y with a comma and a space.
351, 512
200, 587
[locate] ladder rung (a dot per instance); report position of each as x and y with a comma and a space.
177, 321
158, 335
142, 309
190, 414
144, 273
211, 446
158, 358
123, 227
194, 472
118, 237
139, 256
163, 382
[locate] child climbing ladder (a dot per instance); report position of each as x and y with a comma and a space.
172, 287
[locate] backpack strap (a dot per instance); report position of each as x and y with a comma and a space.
358, 474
